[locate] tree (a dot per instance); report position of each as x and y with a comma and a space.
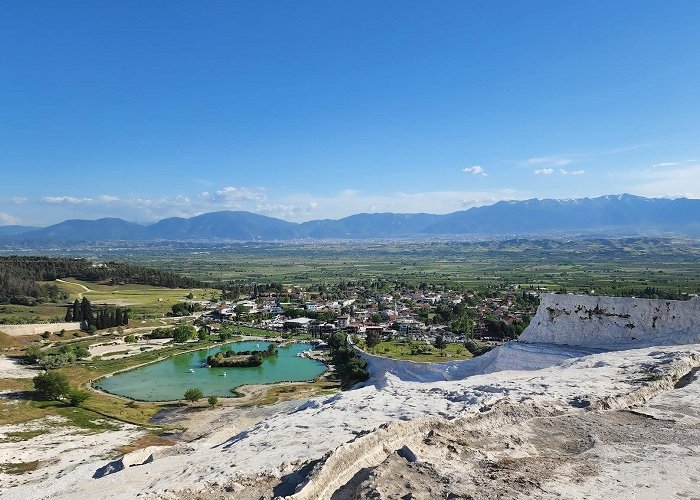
183, 333
130, 339
125, 317
202, 334
193, 394
86, 312
373, 339
81, 351
69, 314
76, 311
52, 385
440, 343
213, 400
77, 397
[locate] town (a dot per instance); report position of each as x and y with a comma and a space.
379, 309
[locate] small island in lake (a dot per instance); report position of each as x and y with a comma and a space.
241, 359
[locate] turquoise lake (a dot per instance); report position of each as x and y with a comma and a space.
168, 380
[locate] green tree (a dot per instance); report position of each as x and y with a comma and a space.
76, 311
373, 339
130, 339
77, 397
202, 334
213, 400
194, 394
440, 343
86, 312
52, 385
183, 333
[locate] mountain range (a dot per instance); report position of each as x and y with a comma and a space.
622, 214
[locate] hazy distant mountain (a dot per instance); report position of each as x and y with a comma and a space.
623, 215
86, 230
631, 213
226, 225
386, 225
12, 230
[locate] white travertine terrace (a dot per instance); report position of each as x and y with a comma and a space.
613, 322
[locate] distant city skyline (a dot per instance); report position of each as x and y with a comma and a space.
145, 110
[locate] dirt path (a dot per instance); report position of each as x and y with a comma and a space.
80, 295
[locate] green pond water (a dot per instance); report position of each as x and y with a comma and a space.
168, 380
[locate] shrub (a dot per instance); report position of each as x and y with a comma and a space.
45, 335
77, 397
52, 385
130, 339
34, 353
213, 400
194, 394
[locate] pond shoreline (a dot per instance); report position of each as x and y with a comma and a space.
239, 390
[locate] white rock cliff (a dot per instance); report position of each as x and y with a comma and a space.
613, 322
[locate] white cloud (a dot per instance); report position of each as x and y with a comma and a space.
571, 172
13, 200
296, 207
106, 198
6, 219
232, 194
475, 170
556, 161
664, 164
544, 171
67, 200
348, 202
670, 182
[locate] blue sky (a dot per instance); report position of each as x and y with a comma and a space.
305, 110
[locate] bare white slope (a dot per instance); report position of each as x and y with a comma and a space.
361, 428
281, 444
613, 322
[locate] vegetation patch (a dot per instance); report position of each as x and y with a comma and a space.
19, 468
13, 437
241, 359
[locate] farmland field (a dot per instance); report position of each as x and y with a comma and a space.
606, 265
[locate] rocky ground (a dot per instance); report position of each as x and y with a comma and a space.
625, 422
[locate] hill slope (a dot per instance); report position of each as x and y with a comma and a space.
623, 214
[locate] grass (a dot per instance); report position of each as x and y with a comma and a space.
11, 314
145, 301
13, 437
283, 392
150, 439
401, 349
18, 468
604, 264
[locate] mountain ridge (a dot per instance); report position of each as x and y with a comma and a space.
626, 213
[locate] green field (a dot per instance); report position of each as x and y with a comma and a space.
401, 349
42, 313
144, 301
606, 265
